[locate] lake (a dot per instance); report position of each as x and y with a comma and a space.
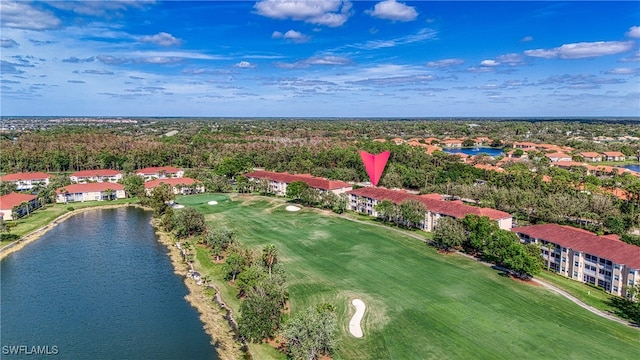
99, 286
475, 151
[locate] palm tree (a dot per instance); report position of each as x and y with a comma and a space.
270, 256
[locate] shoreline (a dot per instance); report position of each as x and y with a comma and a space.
37, 234
213, 317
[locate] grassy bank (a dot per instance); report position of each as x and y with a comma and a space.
420, 304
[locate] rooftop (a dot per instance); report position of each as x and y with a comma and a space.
14, 199
25, 176
314, 182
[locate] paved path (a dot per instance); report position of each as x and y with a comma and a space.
537, 281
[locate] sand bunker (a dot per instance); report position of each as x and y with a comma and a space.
292, 208
354, 324
178, 206
212, 202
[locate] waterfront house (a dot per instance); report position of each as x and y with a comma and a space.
364, 200
452, 143
525, 145
278, 182
613, 156
161, 172
27, 180
181, 186
555, 157
90, 192
603, 261
590, 156
99, 175
23, 204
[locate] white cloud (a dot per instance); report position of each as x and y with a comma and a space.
582, 50
99, 7
445, 63
244, 65
527, 39
489, 63
316, 60
392, 10
510, 59
162, 39
21, 15
292, 35
622, 71
332, 13
8, 43
422, 35
634, 32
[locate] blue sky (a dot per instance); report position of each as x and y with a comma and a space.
324, 58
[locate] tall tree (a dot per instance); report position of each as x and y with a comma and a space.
269, 256
413, 212
312, 333
260, 316
449, 233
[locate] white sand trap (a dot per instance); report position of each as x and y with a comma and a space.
292, 208
212, 202
178, 206
354, 324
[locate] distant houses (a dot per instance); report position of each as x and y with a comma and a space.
90, 192
613, 156
161, 172
23, 203
603, 261
181, 186
364, 200
98, 175
590, 156
278, 182
27, 180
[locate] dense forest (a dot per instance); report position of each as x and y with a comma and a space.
534, 191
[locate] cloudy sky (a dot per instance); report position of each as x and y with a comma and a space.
334, 58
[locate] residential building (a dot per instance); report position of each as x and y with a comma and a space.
98, 175
11, 200
525, 145
90, 192
278, 182
555, 157
365, 199
182, 186
27, 180
603, 261
613, 156
161, 172
452, 143
591, 156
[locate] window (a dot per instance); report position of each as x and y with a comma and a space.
564, 259
577, 263
575, 274
615, 289
616, 278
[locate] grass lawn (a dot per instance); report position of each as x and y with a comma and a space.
420, 304
42, 217
589, 295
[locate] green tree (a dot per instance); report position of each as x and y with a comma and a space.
449, 233
160, 198
386, 210
133, 185
295, 189
219, 239
233, 265
413, 212
260, 316
188, 222
312, 333
479, 228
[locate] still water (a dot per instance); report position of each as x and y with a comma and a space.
98, 286
475, 151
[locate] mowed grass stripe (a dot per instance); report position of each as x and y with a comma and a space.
420, 304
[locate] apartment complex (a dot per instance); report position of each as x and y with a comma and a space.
603, 261
364, 200
278, 182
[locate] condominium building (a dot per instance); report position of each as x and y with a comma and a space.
603, 261
278, 182
364, 200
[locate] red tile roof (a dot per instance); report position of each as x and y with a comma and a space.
90, 187
171, 182
613, 153
450, 208
14, 199
97, 172
589, 154
584, 241
26, 176
312, 181
155, 170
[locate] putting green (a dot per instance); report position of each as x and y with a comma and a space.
420, 304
